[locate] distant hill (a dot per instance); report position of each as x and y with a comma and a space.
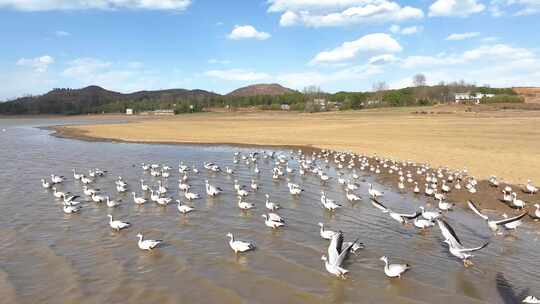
530, 94
91, 99
272, 89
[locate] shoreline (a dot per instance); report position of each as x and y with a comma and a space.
487, 197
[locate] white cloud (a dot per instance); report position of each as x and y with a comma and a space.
396, 29
340, 13
247, 32
462, 36
372, 43
460, 8
289, 18
335, 78
218, 61
62, 33
38, 64
50, 5
237, 75
518, 7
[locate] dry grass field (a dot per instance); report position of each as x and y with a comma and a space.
504, 143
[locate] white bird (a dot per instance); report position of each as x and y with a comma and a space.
422, 223
270, 205
184, 208
121, 188
512, 225
138, 200
517, 203
147, 244
270, 223
112, 204
58, 194
88, 191
144, 187
163, 201
455, 246
239, 246
400, 217
69, 209
191, 195
294, 189
76, 176
98, 198
445, 206
212, 190
116, 224
492, 224
531, 300
430, 215
55, 179
351, 197
254, 186
536, 214
394, 270
45, 184
336, 252
328, 203
326, 234
245, 205
530, 188
334, 269
373, 192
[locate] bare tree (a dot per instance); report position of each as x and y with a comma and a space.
380, 86
419, 80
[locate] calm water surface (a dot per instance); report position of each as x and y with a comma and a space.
47, 256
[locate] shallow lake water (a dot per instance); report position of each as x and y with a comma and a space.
47, 256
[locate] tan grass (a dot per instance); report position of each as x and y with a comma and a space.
504, 143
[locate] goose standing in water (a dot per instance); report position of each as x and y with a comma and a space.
138, 200
351, 197
271, 223
55, 179
516, 203
97, 198
147, 244
394, 270
212, 190
455, 246
76, 176
445, 206
45, 184
494, 225
536, 214
191, 195
336, 270
239, 246
58, 194
69, 209
294, 189
423, 223
182, 208
530, 188
254, 186
326, 234
88, 191
328, 203
374, 193
270, 205
112, 204
116, 224
245, 205
144, 187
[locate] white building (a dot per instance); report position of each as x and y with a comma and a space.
129, 111
468, 97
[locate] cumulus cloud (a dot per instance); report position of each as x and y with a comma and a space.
38, 64
237, 75
247, 32
372, 43
515, 7
460, 8
396, 29
340, 13
462, 36
50, 5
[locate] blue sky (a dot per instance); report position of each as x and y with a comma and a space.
130, 45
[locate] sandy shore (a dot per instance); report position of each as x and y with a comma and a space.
503, 143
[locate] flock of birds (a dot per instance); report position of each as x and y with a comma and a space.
437, 184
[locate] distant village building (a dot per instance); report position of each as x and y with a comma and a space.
285, 107
468, 97
129, 111
321, 102
163, 112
